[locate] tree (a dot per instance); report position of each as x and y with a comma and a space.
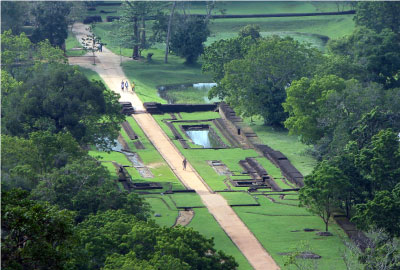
251, 30
34, 235
169, 32
377, 51
133, 23
222, 52
12, 16
26, 160
20, 57
380, 160
378, 15
382, 212
51, 22
255, 85
86, 187
306, 99
321, 191
127, 241
341, 66
383, 252
60, 98
187, 40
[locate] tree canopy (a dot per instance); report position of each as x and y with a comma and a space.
34, 235
61, 98
188, 37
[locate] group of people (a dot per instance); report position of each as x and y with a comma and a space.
125, 85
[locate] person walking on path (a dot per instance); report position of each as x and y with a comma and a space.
184, 162
133, 86
122, 85
127, 85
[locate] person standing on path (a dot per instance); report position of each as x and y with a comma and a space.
184, 162
133, 86
122, 85
127, 85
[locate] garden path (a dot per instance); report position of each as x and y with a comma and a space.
109, 69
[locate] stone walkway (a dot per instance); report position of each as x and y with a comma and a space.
108, 67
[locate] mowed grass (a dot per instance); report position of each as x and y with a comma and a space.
238, 198
205, 223
289, 145
280, 229
70, 43
266, 7
162, 204
272, 222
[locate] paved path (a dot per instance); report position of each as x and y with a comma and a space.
108, 67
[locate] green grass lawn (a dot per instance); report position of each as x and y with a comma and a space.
280, 229
289, 145
162, 204
236, 198
205, 223
70, 43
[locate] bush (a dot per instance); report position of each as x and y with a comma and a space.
92, 19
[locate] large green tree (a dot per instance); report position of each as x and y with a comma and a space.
255, 85
20, 57
382, 212
306, 100
60, 98
51, 22
132, 25
379, 52
222, 52
127, 241
188, 38
380, 160
35, 235
26, 160
321, 191
13, 14
378, 15
86, 187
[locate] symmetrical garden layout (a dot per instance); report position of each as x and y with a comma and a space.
228, 165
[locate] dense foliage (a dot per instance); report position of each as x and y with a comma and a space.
188, 37
61, 208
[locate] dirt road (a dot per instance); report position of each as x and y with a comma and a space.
108, 67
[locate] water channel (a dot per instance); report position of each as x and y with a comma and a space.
134, 159
204, 138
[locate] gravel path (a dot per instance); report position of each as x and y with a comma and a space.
108, 67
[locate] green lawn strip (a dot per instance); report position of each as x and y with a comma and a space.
289, 145
265, 7
199, 115
112, 156
110, 167
72, 42
237, 198
205, 223
91, 75
152, 158
288, 200
162, 205
186, 200
274, 232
